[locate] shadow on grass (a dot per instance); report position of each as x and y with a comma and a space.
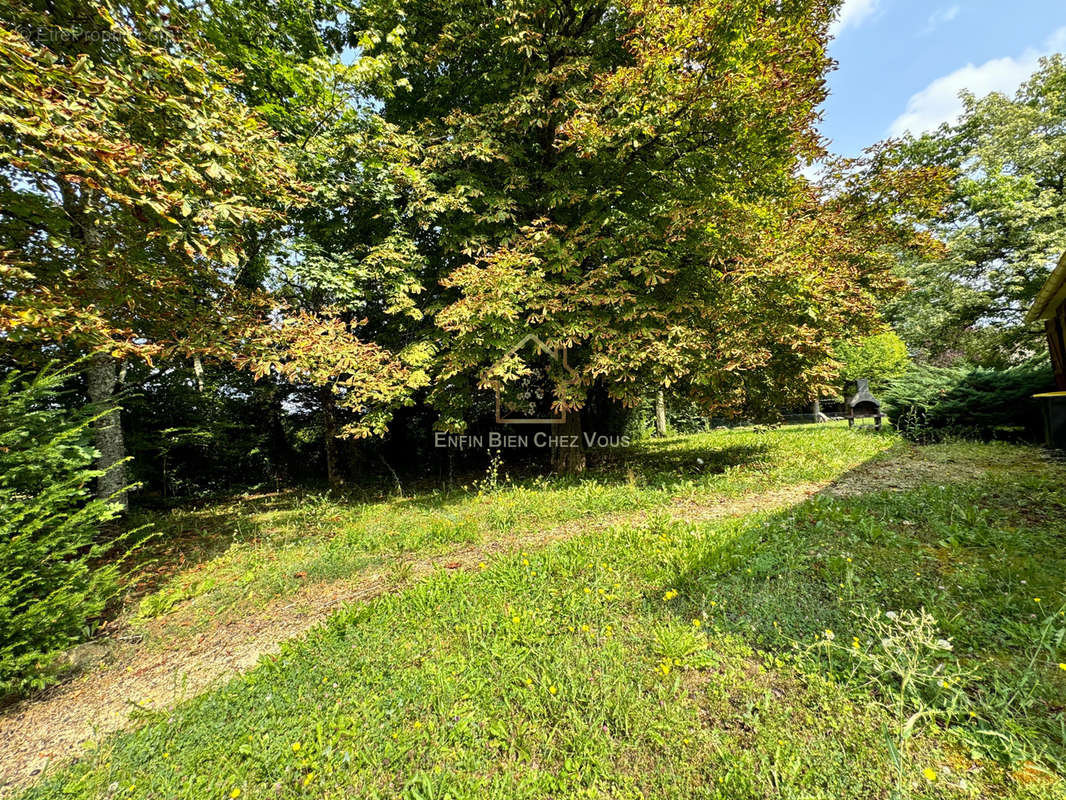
985, 556
181, 540
667, 462
664, 464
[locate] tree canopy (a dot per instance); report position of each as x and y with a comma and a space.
623, 181
129, 170
367, 207
1004, 226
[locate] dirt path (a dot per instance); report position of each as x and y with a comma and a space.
56, 726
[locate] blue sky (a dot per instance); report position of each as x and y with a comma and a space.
903, 62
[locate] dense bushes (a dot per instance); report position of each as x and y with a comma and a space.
49, 589
930, 403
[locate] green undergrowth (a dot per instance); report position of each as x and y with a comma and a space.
871, 644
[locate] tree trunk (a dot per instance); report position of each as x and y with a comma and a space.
660, 413
102, 377
198, 372
818, 415
568, 449
329, 419
102, 372
280, 452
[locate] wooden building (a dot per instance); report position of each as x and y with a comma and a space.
1050, 306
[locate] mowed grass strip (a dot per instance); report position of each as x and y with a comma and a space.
667, 660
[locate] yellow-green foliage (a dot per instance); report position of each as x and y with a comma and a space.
879, 359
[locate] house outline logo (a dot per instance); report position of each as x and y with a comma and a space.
553, 354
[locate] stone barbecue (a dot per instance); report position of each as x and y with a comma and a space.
863, 404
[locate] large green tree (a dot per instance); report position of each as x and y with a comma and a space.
1003, 228
622, 180
128, 170
346, 274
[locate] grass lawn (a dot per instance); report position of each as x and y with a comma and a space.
657, 650
231, 558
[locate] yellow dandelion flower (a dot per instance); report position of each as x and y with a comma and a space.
296, 747
552, 690
481, 565
1062, 666
930, 774
1036, 599
525, 562
516, 619
235, 793
585, 628
696, 623
588, 590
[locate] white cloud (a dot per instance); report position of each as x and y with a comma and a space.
853, 14
939, 101
938, 18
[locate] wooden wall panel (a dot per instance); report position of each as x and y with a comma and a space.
1056, 339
